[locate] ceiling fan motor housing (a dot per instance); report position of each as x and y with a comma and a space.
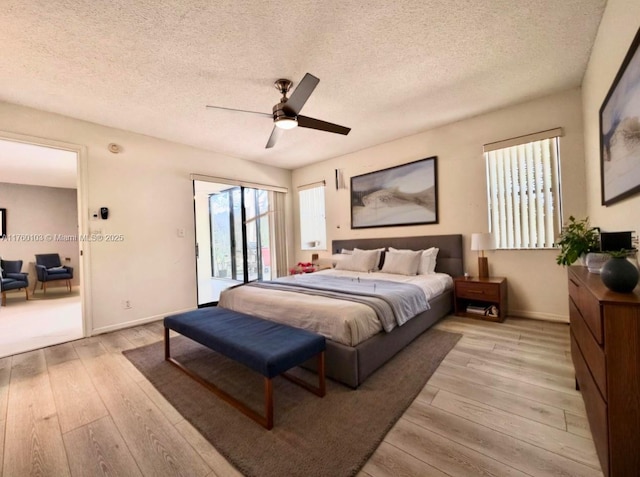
282, 119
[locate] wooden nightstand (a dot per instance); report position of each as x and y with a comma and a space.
480, 292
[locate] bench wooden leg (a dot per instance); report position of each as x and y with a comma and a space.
167, 351
322, 384
268, 402
321, 390
265, 421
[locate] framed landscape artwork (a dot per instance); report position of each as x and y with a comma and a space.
400, 195
3, 222
620, 131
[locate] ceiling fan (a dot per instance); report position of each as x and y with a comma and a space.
286, 113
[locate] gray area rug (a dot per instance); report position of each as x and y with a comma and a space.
331, 436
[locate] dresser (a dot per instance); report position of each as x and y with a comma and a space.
605, 348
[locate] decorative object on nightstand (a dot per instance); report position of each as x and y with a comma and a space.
480, 243
484, 298
302, 267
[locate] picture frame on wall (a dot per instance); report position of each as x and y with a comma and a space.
399, 195
620, 131
3, 222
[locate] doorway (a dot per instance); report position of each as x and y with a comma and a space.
41, 192
233, 237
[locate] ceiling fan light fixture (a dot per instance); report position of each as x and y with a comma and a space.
286, 114
285, 122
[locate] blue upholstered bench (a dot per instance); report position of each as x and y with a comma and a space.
263, 346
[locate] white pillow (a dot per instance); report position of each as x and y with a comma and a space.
338, 257
379, 251
346, 251
360, 261
427, 262
402, 263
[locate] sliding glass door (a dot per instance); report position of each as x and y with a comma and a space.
256, 204
233, 237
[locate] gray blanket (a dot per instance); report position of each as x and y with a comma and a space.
394, 303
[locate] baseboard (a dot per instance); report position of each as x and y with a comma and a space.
131, 324
536, 315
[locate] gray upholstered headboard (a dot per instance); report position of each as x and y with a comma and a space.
449, 257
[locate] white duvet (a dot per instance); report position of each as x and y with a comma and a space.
343, 321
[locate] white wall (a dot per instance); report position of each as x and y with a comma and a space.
536, 285
619, 25
33, 211
149, 194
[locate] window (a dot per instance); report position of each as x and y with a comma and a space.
523, 188
313, 225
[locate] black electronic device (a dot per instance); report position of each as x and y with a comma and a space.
615, 241
104, 212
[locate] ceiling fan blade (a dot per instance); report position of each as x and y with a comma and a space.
311, 123
240, 110
300, 96
275, 135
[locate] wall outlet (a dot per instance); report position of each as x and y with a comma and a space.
126, 304
180, 232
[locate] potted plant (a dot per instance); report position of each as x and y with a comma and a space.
577, 238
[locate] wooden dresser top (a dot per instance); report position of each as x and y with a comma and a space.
600, 291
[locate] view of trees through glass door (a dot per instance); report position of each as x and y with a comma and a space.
235, 246
239, 229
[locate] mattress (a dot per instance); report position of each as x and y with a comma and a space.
346, 322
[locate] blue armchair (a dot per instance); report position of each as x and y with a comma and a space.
12, 278
49, 268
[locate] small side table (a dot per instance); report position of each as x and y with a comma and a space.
480, 293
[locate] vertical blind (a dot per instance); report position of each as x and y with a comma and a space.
524, 194
279, 253
313, 226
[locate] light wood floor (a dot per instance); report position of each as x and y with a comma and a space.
502, 403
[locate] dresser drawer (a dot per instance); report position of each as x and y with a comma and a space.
594, 404
478, 291
592, 352
589, 308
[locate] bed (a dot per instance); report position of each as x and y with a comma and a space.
354, 357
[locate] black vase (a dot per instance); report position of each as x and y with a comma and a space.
619, 275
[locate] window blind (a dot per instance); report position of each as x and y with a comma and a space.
524, 194
313, 227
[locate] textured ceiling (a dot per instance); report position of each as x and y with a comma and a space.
387, 69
